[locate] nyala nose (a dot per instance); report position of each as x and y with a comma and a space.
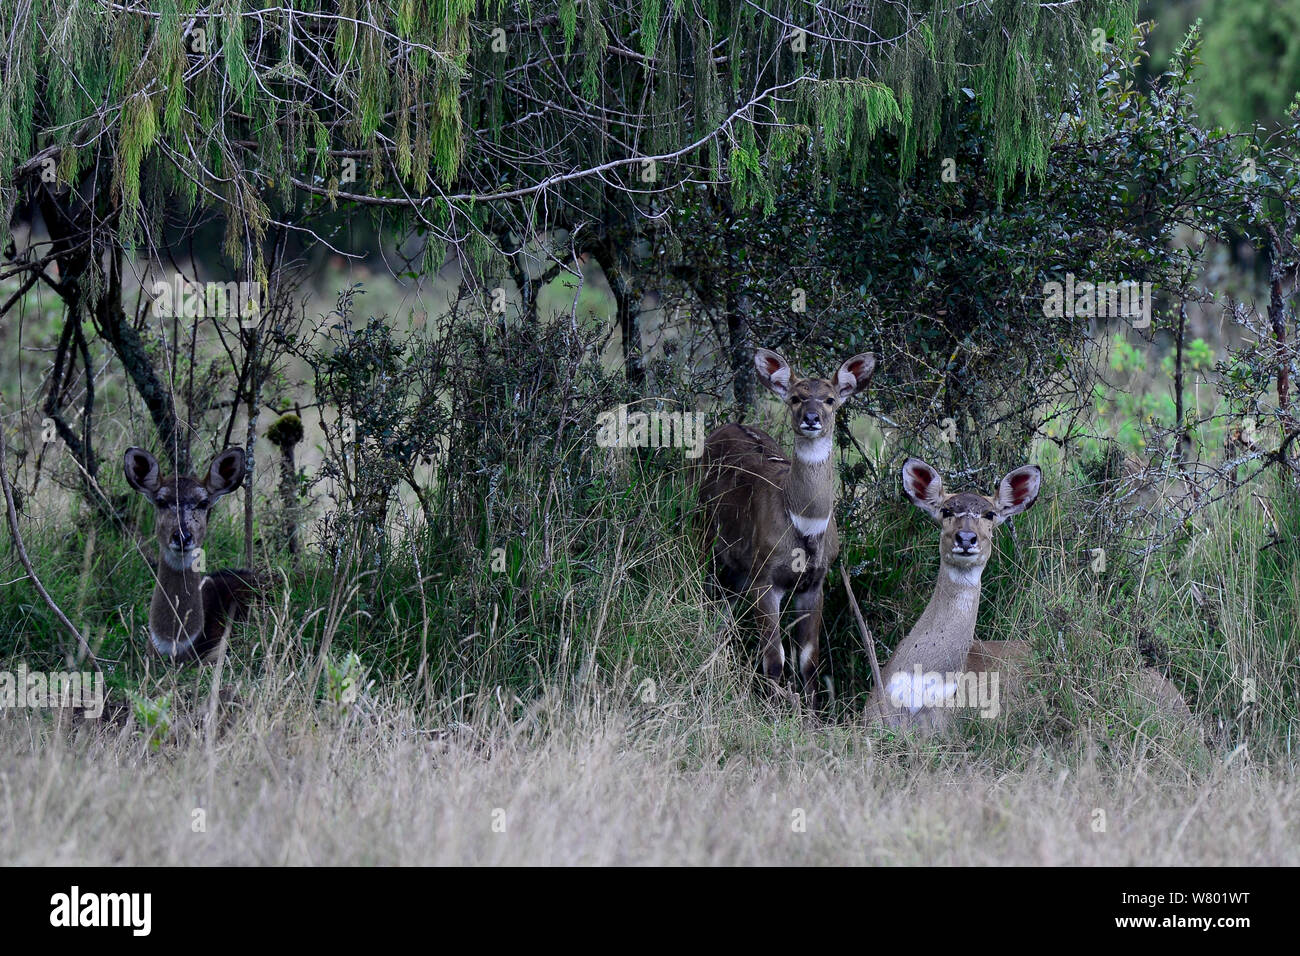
966, 540
182, 539
812, 420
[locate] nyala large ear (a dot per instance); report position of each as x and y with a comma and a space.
854, 375
1017, 491
923, 487
773, 371
225, 473
141, 470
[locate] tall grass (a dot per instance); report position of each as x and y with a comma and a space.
263, 768
592, 688
577, 582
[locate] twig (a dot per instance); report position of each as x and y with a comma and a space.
867, 641
11, 512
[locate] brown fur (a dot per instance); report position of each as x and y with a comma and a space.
749, 489
1013, 660
190, 611
943, 639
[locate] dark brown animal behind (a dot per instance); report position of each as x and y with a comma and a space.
770, 519
191, 611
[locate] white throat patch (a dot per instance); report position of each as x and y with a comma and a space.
813, 452
809, 527
964, 577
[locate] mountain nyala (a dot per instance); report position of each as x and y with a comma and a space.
770, 516
191, 611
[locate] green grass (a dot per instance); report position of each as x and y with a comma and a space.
606, 585
595, 680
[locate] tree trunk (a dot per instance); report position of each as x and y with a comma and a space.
617, 267
741, 351
1277, 319
74, 256
740, 347
250, 445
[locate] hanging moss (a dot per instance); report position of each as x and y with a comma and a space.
650, 10
568, 23
412, 92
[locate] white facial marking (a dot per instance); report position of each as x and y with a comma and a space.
809, 527
179, 560
814, 452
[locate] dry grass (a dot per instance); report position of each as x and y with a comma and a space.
588, 772
703, 776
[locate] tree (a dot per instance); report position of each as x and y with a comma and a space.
948, 277
489, 128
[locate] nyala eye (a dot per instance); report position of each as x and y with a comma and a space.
945, 512
988, 516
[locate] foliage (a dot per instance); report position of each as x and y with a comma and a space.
946, 276
391, 420
1251, 56
344, 680
474, 539
154, 718
431, 111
